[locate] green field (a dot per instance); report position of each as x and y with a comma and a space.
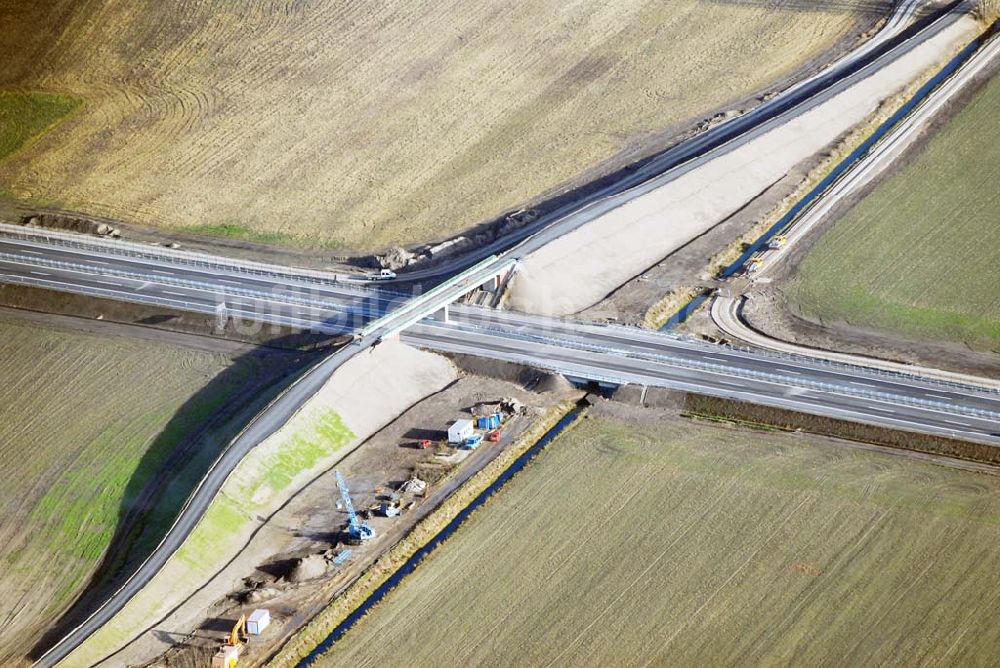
24, 116
920, 256
679, 543
89, 422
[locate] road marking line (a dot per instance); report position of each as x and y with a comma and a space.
117, 285
39, 273
176, 294
99, 262
160, 271
713, 357
223, 280
25, 250
960, 424
936, 396
854, 382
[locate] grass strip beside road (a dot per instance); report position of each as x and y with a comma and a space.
310, 442
769, 418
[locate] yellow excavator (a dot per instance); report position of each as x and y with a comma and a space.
229, 655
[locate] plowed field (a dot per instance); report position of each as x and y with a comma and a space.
686, 544
361, 124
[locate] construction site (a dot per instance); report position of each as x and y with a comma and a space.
343, 524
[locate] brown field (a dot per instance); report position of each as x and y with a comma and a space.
685, 543
358, 125
89, 422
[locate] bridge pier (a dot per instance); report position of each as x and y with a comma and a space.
441, 315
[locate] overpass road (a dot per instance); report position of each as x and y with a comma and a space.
607, 353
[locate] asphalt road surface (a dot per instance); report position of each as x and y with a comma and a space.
610, 354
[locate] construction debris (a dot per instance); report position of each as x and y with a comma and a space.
508, 406
414, 486
308, 568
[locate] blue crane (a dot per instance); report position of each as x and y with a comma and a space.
356, 529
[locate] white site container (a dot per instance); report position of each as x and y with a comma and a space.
461, 430
258, 621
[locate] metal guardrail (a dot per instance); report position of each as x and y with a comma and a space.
729, 370
418, 308
767, 355
194, 307
37, 261
187, 258
856, 369
314, 302
750, 374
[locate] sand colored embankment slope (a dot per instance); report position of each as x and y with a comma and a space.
366, 393
579, 269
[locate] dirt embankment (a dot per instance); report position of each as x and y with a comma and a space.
363, 395
753, 414
772, 312
580, 268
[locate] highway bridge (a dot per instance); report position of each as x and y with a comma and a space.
606, 353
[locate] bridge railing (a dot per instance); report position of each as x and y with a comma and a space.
791, 380
438, 297
186, 258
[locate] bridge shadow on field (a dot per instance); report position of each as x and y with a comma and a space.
179, 457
